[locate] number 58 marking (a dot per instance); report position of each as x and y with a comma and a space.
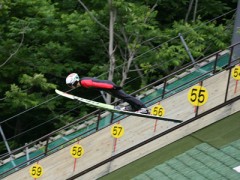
77, 151
198, 95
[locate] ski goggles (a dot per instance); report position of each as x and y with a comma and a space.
74, 85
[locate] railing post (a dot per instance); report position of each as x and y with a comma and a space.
215, 63
46, 148
230, 57
27, 154
164, 87
186, 48
228, 81
7, 146
197, 107
98, 120
111, 121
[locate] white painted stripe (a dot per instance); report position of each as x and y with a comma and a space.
237, 169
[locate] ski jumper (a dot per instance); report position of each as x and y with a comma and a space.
111, 88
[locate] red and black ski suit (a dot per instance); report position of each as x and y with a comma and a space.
111, 88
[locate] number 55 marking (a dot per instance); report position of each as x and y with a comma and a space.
198, 95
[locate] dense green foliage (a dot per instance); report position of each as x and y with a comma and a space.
42, 41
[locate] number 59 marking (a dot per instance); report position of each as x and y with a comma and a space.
198, 95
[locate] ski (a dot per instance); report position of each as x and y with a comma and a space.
111, 108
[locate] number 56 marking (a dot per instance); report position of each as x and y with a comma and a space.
158, 110
198, 95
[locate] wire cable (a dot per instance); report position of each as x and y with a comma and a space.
48, 121
27, 110
19, 134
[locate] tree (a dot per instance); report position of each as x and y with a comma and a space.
27, 62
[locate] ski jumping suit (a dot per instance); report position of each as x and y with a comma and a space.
111, 88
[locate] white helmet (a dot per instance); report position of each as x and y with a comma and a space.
72, 79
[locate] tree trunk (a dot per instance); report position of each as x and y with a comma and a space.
195, 10
111, 46
189, 10
126, 68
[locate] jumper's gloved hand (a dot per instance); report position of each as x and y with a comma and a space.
117, 87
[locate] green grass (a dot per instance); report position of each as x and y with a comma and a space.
217, 134
222, 132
